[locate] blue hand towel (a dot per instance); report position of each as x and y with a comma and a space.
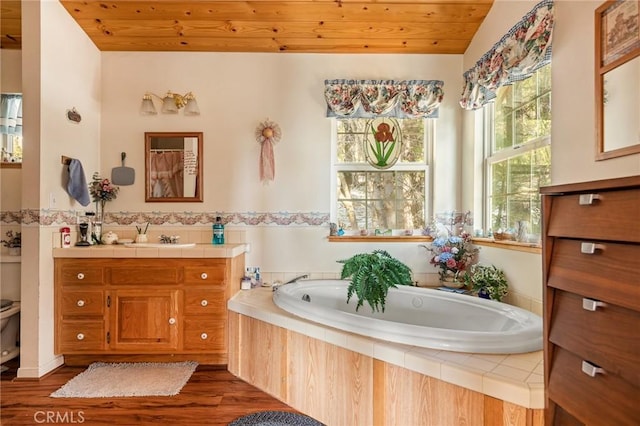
77, 185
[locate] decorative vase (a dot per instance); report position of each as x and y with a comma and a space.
14, 251
484, 294
141, 238
96, 226
451, 279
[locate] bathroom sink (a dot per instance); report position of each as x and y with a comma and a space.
160, 245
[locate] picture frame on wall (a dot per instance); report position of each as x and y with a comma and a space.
619, 30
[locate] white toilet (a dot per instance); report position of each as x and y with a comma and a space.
9, 331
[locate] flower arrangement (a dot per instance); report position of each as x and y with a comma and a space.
14, 240
102, 190
488, 280
452, 254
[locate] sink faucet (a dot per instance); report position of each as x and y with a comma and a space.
291, 281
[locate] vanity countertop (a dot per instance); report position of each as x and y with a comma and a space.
120, 251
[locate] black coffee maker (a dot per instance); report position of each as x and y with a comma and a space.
84, 234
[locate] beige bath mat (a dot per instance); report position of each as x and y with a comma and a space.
103, 380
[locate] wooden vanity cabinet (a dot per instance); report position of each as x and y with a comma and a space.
591, 255
146, 308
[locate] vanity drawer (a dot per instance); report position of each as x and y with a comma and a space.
80, 272
609, 217
82, 302
601, 336
205, 302
79, 336
206, 274
153, 273
605, 399
204, 335
591, 274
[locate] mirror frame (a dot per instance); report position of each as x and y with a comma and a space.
148, 136
602, 66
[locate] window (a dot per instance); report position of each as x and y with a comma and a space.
11, 148
367, 197
518, 152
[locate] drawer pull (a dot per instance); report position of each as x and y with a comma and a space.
172, 321
80, 276
590, 369
204, 275
204, 336
592, 305
204, 302
588, 199
80, 303
80, 336
590, 248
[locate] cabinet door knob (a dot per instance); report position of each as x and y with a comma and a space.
592, 305
204, 275
204, 336
80, 276
80, 303
172, 321
590, 248
204, 302
590, 369
588, 199
80, 336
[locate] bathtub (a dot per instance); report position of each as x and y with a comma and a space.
417, 316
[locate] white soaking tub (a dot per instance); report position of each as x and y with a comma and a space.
418, 316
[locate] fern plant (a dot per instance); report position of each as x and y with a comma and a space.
372, 274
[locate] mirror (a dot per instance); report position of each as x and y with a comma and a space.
173, 166
617, 80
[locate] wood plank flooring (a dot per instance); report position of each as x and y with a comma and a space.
213, 396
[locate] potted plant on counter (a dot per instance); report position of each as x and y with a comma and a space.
488, 281
14, 242
372, 274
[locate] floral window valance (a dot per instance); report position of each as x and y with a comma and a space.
520, 52
383, 98
11, 114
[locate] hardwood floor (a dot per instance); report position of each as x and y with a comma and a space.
213, 396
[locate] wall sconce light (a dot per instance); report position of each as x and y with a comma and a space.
171, 104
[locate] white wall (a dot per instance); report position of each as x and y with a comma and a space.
235, 92
573, 136
60, 70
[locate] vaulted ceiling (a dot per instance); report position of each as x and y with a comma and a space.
303, 26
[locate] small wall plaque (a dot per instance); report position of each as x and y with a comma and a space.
73, 115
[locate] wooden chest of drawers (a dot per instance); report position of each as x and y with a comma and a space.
591, 255
147, 308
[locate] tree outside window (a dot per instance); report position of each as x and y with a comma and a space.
371, 198
519, 152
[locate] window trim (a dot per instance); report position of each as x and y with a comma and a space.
490, 158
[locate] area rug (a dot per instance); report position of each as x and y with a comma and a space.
275, 418
104, 380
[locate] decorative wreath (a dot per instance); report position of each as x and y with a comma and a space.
267, 134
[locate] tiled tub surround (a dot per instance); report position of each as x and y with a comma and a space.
513, 380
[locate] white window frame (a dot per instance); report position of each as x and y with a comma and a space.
490, 158
425, 166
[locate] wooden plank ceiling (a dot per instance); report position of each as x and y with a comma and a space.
303, 26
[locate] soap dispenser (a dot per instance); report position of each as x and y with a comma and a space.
218, 231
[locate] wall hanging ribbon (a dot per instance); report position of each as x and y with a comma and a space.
267, 134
